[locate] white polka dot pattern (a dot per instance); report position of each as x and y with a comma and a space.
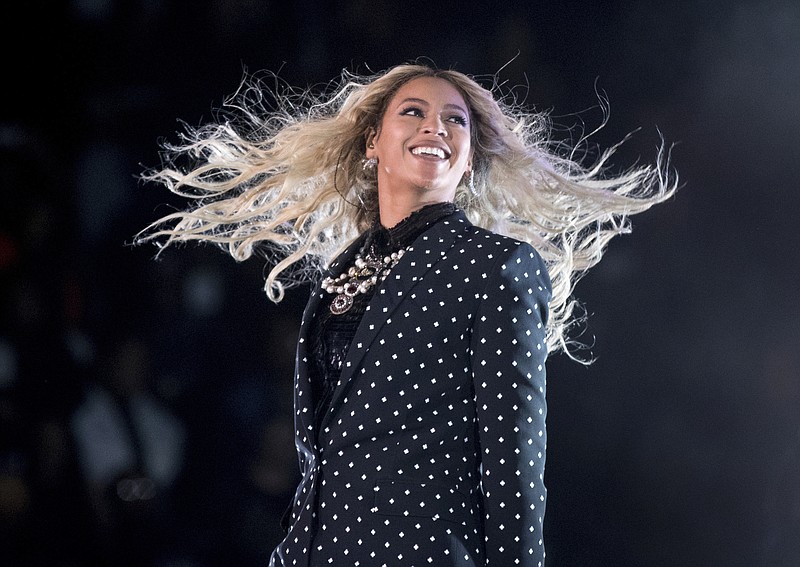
433, 448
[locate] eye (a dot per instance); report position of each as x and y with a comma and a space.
412, 111
458, 119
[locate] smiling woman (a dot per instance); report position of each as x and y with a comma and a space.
421, 148
443, 238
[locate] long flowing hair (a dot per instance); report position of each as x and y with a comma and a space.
281, 173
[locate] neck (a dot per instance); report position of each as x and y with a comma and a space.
394, 209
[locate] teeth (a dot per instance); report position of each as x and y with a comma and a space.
439, 152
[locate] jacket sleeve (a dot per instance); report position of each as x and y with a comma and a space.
508, 353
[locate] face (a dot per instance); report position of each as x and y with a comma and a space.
423, 143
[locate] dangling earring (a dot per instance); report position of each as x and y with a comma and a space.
471, 183
362, 205
369, 164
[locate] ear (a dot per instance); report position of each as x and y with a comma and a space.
468, 169
372, 136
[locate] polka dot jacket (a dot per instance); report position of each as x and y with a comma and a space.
432, 451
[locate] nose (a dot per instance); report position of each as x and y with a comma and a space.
433, 125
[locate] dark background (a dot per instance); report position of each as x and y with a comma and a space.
679, 446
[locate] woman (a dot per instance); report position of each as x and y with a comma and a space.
420, 379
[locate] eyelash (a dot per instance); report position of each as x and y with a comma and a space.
456, 119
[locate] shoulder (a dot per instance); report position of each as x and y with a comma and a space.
495, 246
456, 238
509, 263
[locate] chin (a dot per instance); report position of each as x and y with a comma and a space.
435, 195
432, 184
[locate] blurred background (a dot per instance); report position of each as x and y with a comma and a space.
145, 414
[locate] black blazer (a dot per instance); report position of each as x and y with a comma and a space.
432, 451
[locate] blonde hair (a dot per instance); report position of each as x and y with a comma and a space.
284, 177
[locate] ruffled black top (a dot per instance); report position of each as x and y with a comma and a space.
330, 335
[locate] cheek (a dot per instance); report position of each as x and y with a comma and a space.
389, 142
465, 152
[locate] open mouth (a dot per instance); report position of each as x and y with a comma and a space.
430, 151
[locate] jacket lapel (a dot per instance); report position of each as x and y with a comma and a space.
303, 397
343, 259
422, 255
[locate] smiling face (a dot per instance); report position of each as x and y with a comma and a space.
422, 146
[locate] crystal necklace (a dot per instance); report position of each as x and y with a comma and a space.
368, 271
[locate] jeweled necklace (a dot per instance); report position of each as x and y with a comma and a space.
368, 271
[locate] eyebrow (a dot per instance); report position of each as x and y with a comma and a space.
425, 102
